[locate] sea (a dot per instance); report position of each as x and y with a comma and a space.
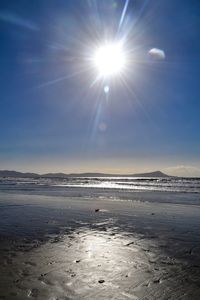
162, 184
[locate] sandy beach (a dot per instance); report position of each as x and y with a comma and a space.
59, 247
100, 150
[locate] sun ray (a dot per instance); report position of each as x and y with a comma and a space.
52, 82
123, 14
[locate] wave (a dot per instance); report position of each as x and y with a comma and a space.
171, 184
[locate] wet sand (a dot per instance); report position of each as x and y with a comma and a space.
60, 248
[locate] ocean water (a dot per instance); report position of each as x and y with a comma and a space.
167, 184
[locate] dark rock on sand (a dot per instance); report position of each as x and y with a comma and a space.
101, 281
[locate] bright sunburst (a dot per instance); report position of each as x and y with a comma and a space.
110, 59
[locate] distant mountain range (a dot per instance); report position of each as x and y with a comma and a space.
6, 173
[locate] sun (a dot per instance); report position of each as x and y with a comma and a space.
110, 59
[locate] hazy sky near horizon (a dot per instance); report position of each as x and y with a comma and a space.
54, 115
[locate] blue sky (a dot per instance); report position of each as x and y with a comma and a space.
53, 117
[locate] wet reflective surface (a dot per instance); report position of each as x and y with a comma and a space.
60, 248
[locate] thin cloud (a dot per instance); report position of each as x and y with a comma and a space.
14, 19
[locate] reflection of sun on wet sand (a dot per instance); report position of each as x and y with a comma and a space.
126, 250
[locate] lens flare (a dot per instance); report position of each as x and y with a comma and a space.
106, 89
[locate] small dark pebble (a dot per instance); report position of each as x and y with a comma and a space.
101, 281
97, 209
78, 260
129, 243
156, 281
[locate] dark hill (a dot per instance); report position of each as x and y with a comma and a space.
15, 174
